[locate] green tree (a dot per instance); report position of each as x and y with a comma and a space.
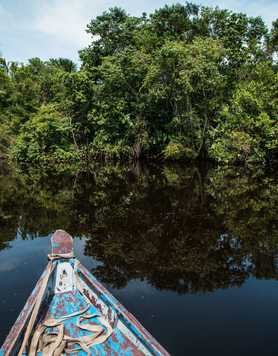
63, 63
45, 137
186, 78
121, 116
248, 128
111, 32
273, 39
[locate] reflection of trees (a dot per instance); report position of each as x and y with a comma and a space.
32, 203
168, 229
162, 230
38, 202
173, 226
247, 203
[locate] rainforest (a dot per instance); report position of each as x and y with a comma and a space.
185, 82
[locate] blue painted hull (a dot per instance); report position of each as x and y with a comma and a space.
80, 297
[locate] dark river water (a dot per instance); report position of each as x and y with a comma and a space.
190, 251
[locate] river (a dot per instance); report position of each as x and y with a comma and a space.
190, 251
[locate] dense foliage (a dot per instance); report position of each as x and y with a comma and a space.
185, 82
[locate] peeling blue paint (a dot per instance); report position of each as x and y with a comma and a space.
76, 302
67, 303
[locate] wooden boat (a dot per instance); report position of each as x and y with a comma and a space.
70, 312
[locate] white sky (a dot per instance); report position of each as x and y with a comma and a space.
56, 28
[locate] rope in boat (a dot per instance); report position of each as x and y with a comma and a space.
49, 270
56, 343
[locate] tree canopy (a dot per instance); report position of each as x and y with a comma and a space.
185, 82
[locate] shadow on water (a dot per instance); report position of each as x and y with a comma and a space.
178, 228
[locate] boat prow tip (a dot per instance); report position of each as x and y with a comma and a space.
61, 232
62, 242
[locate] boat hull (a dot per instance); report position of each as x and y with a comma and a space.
128, 337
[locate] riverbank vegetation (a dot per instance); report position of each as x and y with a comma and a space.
185, 82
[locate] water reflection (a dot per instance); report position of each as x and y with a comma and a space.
186, 229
